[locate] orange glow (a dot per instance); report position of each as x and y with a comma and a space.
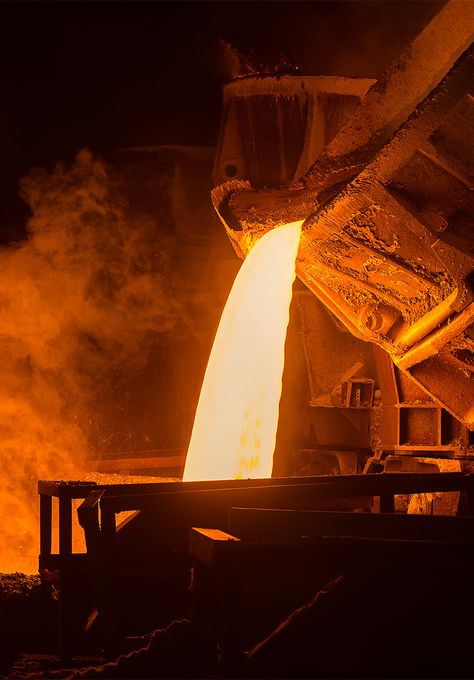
237, 415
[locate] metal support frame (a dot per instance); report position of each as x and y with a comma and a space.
333, 543
166, 511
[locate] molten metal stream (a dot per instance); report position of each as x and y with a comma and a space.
237, 415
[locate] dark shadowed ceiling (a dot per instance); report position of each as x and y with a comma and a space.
108, 74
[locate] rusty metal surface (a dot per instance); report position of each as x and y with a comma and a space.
392, 255
302, 113
388, 104
387, 242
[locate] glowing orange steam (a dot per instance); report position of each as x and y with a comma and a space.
237, 415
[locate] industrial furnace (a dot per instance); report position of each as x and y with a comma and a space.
376, 415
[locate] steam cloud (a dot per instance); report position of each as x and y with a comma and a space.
85, 295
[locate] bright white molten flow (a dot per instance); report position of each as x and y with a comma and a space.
237, 415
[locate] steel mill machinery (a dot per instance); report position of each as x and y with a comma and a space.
381, 173
379, 370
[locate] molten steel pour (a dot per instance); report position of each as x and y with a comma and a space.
237, 415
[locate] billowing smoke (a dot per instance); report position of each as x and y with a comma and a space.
85, 295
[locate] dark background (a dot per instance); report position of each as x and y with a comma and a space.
108, 74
